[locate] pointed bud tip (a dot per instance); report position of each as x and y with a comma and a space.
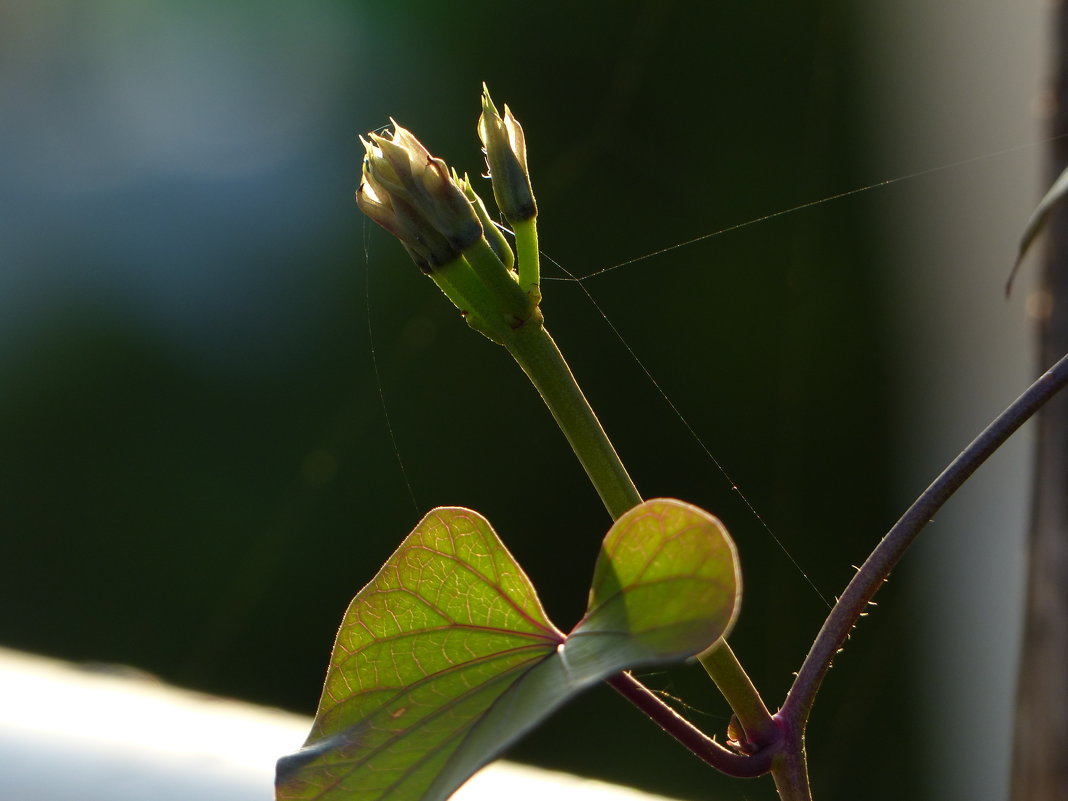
487, 103
505, 147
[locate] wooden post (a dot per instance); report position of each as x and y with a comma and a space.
1040, 755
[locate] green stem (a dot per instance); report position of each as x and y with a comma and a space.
470, 295
461, 286
527, 255
536, 352
511, 299
732, 680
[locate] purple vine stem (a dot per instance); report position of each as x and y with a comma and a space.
794, 713
784, 755
744, 766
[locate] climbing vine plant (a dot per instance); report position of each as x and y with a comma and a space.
446, 657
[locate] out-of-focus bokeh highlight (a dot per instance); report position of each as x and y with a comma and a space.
201, 338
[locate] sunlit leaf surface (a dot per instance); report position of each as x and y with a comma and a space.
446, 657
666, 586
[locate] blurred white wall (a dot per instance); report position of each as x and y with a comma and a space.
957, 80
83, 733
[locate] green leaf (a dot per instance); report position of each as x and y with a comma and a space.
666, 586
447, 657
449, 624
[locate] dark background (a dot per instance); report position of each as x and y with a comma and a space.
196, 470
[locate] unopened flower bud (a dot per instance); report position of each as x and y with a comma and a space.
506, 160
426, 246
412, 195
490, 231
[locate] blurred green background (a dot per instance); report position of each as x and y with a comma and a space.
196, 470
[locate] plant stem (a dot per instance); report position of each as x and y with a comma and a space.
536, 352
721, 758
527, 255
732, 680
789, 769
875, 570
498, 281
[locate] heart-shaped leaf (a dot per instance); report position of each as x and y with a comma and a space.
666, 586
447, 657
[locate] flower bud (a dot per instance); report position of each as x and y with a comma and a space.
427, 247
490, 231
506, 161
412, 195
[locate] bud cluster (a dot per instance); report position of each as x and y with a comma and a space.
444, 225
